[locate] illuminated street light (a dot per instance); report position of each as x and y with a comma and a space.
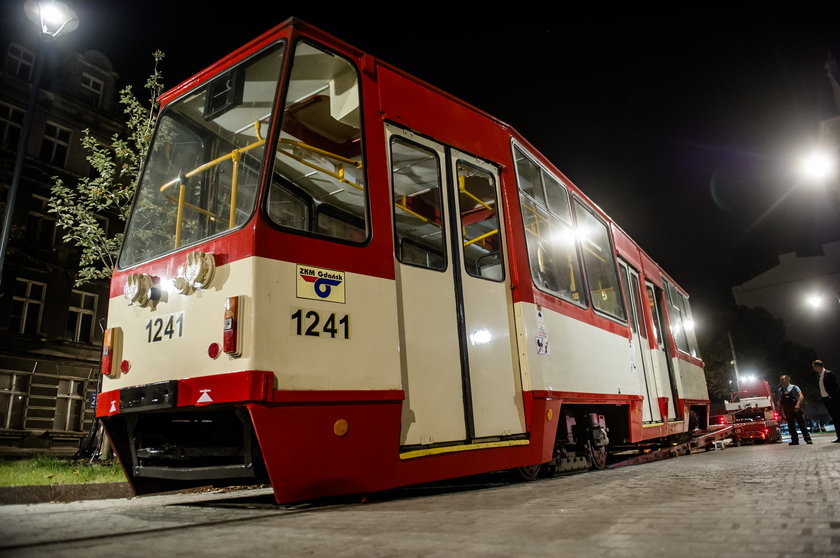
52, 18
818, 166
819, 300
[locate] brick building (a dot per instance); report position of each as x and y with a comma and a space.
50, 331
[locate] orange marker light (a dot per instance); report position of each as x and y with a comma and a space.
230, 335
110, 345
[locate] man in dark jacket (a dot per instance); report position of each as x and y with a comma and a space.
790, 400
830, 392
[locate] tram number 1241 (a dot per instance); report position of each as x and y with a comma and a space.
315, 324
165, 327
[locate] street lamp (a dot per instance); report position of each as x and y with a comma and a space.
53, 18
818, 300
818, 166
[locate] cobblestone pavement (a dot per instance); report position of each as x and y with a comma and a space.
765, 500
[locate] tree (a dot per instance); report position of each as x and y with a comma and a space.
116, 166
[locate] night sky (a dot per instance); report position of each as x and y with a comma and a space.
682, 129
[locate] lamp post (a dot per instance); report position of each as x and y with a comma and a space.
53, 18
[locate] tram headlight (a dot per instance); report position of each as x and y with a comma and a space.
199, 270
136, 289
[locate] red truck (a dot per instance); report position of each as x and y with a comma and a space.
753, 414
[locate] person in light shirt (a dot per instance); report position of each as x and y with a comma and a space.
830, 392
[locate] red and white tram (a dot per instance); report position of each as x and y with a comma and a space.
339, 279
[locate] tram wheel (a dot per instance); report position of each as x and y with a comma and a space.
598, 456
529, 473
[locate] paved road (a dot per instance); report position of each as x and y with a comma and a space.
768, 501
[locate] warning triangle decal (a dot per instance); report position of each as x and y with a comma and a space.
205, 396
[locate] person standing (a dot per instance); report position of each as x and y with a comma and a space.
830, 392
791, 400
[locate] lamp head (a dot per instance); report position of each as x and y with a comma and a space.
52, 17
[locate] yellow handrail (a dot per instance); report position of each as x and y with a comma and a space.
337, 175
405, 208
179, 218
482, 237
462, 187
307, 147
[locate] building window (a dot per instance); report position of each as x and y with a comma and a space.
20, 61
92, 90
70, 405
13, 394
40, 225
27, 306
82, 316
11, 122
55, 144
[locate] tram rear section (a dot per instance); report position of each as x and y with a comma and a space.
338, 279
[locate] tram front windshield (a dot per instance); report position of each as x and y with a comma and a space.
202, 175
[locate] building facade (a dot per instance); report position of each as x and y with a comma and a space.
50, 329
804, 291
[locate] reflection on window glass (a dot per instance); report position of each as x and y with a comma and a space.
599, 262
623, 274
654, 312
675, 317
635, 289
415, 173
319, 160
552, 248
557, 197
528, 176
202, 175
481, 238
682, 323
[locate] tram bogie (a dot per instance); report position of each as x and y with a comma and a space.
339, 279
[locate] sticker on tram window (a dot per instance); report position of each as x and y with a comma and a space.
163, 328
326, 325
320, 284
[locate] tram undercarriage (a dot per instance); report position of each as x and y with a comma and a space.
187, 447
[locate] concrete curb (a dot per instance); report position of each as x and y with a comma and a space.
63, 492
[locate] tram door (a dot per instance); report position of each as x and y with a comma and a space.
458, 370
642, 358
662, 353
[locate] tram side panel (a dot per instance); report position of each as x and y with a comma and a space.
567, 355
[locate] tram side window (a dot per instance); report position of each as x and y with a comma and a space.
552, 249
415, 175
683, 326
599, 262
479, 223
318, 184
690, 332
654, 312
636, 293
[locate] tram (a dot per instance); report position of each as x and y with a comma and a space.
339, 279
